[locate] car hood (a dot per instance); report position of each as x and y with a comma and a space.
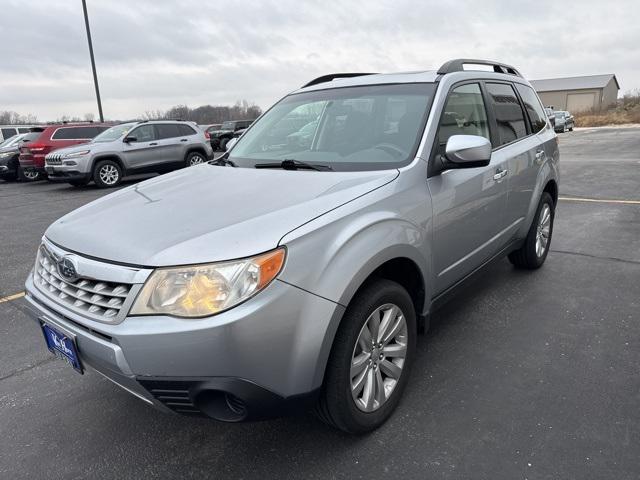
206, 213
83, 147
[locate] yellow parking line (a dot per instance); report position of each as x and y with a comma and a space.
15, 296
598, 200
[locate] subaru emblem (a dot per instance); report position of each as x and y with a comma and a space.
67, 269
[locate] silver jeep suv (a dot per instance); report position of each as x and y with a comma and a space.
130, 148
301, 273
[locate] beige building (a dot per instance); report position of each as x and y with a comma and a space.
591, 92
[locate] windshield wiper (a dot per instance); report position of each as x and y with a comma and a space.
290, 164
222, 160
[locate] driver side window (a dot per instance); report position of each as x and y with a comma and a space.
464, 114
144, 133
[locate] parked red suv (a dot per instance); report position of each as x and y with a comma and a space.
51, 138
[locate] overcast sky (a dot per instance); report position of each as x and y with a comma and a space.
153, 54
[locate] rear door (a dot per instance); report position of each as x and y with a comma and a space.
468, 204
145, 150
170, 142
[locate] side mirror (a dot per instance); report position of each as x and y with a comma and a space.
467, 151
130, 139
231, 143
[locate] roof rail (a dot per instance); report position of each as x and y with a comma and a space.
458, 64
333, 76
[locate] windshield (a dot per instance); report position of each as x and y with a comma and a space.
114, 133
559, 114
227, 126
371, 127
12, 140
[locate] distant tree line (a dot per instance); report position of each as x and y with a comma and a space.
13, 118
205, 114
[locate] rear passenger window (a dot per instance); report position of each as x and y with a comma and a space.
8, 132
464, 114
185, 130
533, 106
508, 112
74, 133
167, 130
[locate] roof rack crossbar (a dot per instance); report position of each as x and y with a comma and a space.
458, 64
333, 76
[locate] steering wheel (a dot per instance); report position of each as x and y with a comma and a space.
391, 148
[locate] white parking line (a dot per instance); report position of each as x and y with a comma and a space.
599, 200
15, 296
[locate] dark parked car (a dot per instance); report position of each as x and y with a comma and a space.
9, 153
219, 138
564, 121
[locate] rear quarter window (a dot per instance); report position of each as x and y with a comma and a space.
534, 108
186, 130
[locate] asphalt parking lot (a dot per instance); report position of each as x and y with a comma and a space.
527, 375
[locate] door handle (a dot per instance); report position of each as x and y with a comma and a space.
153, 144
499, 174
184, 140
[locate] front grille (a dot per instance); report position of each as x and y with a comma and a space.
54, 159
174, 395
94, 298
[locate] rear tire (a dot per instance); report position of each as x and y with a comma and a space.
107, 174
536, 246
195, 158
362, 401
29, 175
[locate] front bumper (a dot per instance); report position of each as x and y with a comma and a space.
251, 362
59, 173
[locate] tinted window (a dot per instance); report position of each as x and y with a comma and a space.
8, 132
509, 115
144, 133
185, 130
533, 106
23, 130
167, 130
75, 133
30, 137
464, 114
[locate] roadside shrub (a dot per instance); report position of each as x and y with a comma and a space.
626, 110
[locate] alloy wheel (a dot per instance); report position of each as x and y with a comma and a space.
109, 174
543, 231
378, 357
196, 160
31, 174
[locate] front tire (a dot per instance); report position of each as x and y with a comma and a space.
107, 174
370, 360
536, 246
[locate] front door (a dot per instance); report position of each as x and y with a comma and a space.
145, 150
468, 204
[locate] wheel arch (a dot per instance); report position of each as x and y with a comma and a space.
107, 156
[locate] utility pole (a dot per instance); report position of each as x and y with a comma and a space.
93, 62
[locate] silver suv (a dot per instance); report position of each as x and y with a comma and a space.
130, 148
301, 272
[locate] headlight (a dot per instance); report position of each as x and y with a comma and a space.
77, 154
204, 290
6, 154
